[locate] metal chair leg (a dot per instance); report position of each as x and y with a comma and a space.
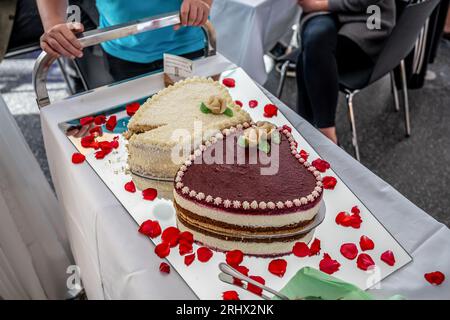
283, 74
405, 98
62, 67
395, 92
351, 115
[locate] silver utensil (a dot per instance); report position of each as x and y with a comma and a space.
228, 275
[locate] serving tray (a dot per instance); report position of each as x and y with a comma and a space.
203, 277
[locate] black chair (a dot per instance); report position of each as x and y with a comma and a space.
397, 47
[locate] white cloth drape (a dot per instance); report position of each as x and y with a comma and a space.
247, 29
34, 251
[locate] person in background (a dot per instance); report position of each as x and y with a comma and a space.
336, 40
447, 26
133, 55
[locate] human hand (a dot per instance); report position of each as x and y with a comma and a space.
194, 12
313, 5
60, 40
79, 131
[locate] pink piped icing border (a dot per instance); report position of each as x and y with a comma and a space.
246, 205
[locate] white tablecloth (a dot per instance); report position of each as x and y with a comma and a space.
246, 29
117, 263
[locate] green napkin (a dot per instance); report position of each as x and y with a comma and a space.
309, 283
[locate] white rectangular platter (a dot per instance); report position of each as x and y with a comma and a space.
203, 277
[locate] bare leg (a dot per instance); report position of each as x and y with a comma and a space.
330, 133
447, 22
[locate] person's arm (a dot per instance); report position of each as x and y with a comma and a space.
59, 38
356, 6
313, 5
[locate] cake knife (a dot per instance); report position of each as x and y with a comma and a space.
228, 275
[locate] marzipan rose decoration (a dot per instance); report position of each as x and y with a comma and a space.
216, 105
259, 135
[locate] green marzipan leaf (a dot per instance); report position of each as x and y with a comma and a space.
204, 108
276, 138
264, 146
228, 112
242, 142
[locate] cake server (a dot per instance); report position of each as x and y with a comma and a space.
228, 275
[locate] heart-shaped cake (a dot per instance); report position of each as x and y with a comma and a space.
248, 188
152, 131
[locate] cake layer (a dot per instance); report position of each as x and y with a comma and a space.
259, 219
234, 227
269, 247
171, 122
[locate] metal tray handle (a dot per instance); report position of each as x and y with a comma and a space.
94, 37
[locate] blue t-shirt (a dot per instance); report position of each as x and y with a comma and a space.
147, 46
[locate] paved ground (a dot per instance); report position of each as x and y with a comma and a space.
417, 166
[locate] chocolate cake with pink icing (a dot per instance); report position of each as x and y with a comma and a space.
248, 188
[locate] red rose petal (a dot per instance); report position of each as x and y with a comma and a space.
185, 248
186, 236
230, 295
253, 288
204, 254
162, 250
388, 257
300, 249
99, 120
114, 144
149, 194
242, 269
304, 154
329, 182
86, 120
111, 123
102, 154
150, 228
105, 146
314, 248
170, 236
253, 103
97, 131
88, 141
130, 187
349, 250
164, 268
278, 267
286, 127
78, 158
365, 262
355, 210
366, 243
189, 259
234, 258
229, 82
346, 219
131, 108
270, 110
321, 165
328, 265
435, 278
239, 103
